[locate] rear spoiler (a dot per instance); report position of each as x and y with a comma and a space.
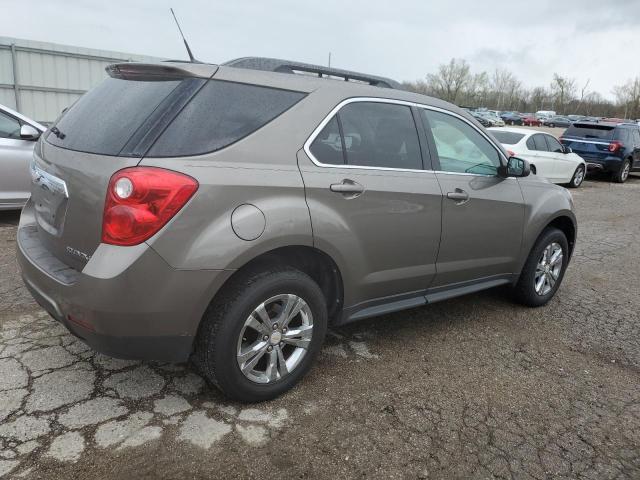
159, 71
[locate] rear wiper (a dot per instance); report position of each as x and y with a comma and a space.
56, 131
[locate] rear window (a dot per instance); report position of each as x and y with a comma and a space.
222, 113
125, 117
601, 132
507, 138
106, 117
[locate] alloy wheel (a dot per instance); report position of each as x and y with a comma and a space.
548, 269
578, 177
625, 171
275, 338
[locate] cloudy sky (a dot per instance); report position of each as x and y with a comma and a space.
597, 40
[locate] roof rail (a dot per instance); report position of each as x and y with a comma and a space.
288, 66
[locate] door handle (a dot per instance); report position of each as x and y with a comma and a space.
347, 187
459, 196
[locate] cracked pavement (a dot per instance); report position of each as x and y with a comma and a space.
474, 387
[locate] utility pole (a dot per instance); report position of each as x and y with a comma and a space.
329, 59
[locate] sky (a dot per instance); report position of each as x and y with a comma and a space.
589, 40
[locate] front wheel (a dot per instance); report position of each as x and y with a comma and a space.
544, 269
578, 177
262, 335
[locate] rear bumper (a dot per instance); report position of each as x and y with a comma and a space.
127, 302
605, 164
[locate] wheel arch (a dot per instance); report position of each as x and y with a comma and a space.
310, 260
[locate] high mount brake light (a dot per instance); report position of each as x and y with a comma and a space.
140, 201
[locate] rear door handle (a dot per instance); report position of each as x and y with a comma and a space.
347, 187
459, 196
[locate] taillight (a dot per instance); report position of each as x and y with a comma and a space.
140, 201
615, 146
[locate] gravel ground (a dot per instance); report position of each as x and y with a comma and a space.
475, 387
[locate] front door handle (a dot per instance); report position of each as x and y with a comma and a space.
459, 196
348, 188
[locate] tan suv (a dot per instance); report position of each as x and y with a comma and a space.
229, 214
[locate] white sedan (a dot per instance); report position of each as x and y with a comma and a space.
547, 156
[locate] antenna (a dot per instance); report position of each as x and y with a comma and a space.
191, 57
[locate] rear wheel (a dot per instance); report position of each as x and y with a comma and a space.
544, 269
578, 177
260, 338
621, 175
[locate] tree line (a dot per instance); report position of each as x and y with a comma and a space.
455, 82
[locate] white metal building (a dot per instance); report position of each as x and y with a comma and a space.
40, 79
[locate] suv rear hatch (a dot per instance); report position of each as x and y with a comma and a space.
108, 129
589, 140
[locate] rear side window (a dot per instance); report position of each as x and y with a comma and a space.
553, 144
507, 138
539, 143
220, 114
380, 135
327, 146
530, 144
601, 132
623, 135
104, 118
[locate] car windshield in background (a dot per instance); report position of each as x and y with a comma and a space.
507, 138
601, 132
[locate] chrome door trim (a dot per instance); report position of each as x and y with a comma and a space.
327, 119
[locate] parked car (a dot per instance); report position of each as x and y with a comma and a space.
17, 138
228, 215
492, 118
482, 120
557, 121
548, 158
511, 118
542, 114
531, 121
606, 147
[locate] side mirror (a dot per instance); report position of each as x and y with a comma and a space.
566, 150
516, 167
27, 132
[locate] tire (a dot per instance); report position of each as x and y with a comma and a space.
223, 334
622, 174
552, 125
578, 177
525, 291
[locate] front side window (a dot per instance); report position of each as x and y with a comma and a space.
9, 127
380, 135
554, 145
327, 146
461, 148
539, 143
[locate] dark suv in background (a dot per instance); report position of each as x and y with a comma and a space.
606, 146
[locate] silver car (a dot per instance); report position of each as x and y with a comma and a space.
229, 214
17, 138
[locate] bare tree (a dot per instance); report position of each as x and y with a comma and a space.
628, 97
564, 90
450, 80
